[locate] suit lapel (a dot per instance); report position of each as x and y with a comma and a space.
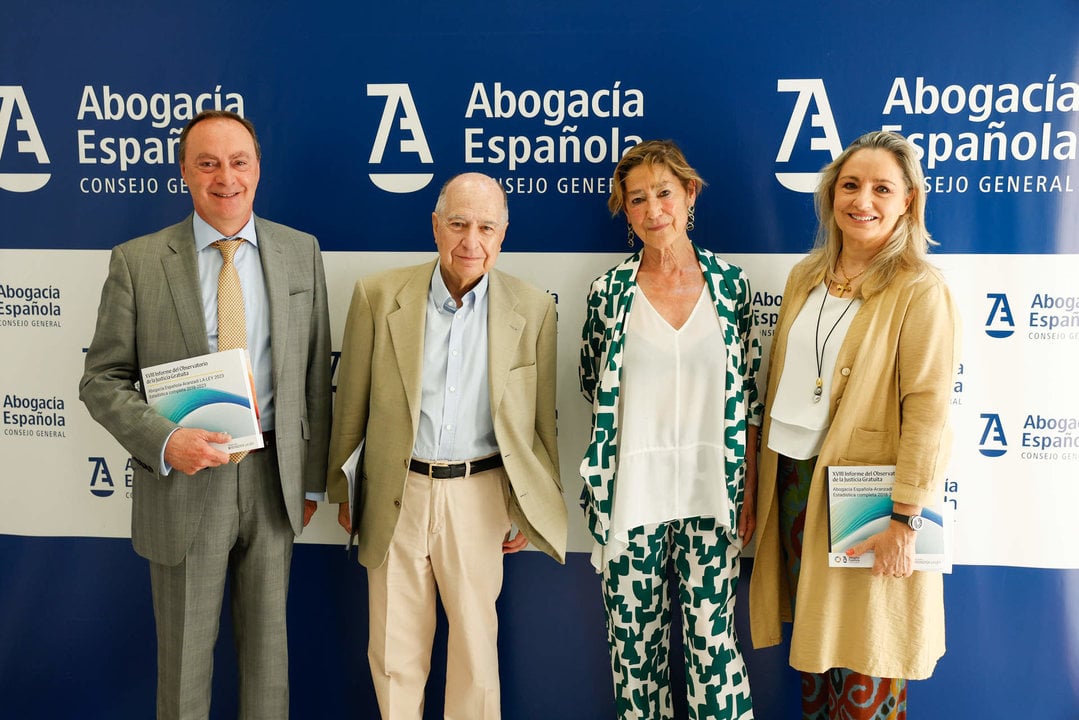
182, 275
407, 325
504, 328
275, 270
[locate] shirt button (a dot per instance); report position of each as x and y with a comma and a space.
845, 372
449, 427
453, 389
396, 503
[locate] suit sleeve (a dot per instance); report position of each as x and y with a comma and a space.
318, 392
353, 391
591, 342
546, 373
928, 357
751, 341
111, 370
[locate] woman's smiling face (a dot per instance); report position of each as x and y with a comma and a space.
870, 197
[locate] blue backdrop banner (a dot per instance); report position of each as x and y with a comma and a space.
364, 110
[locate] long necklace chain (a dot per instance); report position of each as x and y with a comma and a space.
818, 346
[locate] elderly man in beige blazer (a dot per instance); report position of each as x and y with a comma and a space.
448, 374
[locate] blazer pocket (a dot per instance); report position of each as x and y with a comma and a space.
520, 395
869, 447
523, 369
301, 278
300, 309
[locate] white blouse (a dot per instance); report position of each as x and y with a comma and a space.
798, 423
670, 449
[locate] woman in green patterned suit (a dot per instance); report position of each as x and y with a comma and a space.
669, 356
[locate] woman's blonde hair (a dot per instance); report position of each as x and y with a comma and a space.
909, 244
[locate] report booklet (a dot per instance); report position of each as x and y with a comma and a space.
353, 469
860, 505
213, 392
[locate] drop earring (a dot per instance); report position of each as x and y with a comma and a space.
692, 216
629, 235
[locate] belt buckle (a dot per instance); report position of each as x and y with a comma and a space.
432, 466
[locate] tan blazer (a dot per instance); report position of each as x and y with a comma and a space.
890, 397
378, 397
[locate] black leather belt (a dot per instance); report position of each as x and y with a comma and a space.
445, 471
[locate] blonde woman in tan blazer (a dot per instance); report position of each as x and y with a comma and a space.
861, 373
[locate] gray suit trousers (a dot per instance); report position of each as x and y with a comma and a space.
245, 535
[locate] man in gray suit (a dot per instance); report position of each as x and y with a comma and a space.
197, 517
448, 371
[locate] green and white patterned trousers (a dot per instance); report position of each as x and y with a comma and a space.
636, 595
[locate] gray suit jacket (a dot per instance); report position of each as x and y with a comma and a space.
150, 313
378, 397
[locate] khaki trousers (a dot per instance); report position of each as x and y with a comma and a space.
448, 542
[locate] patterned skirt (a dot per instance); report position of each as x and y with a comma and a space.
840, 693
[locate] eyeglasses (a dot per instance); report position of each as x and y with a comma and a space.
459, 226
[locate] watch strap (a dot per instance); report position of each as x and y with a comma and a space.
908, 520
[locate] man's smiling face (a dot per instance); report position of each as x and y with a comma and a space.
221, 169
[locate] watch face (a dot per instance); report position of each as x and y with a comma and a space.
916, 522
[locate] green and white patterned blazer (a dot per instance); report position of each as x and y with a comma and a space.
610, 300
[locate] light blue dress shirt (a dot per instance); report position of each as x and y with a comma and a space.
256, 308
455, 406
256, 304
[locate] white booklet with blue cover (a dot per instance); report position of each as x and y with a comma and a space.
860, 505
214, 392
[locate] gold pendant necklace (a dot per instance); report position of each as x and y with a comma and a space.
847, 285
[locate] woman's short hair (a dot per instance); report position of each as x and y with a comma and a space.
651, 152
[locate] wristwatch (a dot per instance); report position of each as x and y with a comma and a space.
914, 522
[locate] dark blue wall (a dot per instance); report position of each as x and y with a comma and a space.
77, 640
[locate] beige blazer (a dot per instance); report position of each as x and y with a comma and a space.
891, 391
378, 398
